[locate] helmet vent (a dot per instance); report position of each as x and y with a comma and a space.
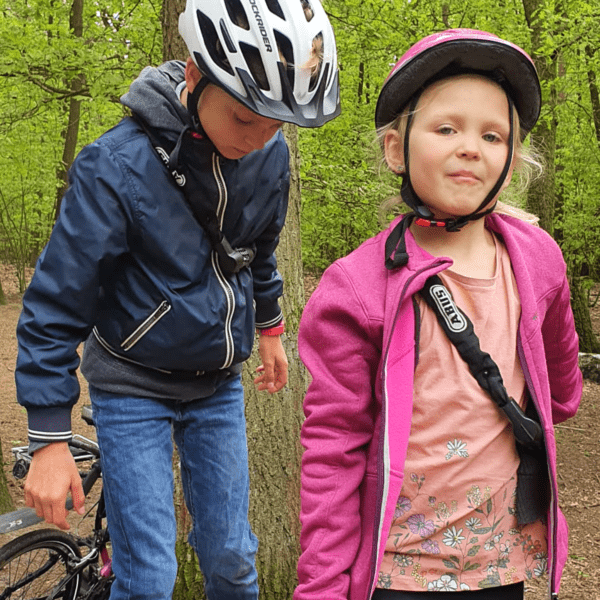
316, 69
237, 14
228, 41
255, 65
213, 44
286, 54
309, 13
275, 8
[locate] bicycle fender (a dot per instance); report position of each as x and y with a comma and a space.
18, 519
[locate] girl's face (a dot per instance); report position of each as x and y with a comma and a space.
458, 144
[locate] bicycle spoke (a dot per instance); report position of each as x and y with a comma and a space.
39, 572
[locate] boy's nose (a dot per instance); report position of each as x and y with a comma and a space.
257, 139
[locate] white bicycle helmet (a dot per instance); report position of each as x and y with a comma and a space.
257, 51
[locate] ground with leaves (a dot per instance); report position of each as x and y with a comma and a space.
578, 451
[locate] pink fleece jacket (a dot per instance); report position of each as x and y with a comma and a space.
358, 339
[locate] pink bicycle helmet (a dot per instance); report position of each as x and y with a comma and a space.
462, 51
454, 52
238, 45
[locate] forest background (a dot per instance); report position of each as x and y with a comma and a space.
65, 63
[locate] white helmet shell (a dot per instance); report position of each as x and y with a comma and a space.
258, 52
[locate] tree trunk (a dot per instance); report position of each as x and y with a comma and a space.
173, 45
541, 199
594, 96
273, 422
71, 132
6, 503
273, 426
189, 583
588, 341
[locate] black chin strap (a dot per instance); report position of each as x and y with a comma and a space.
425, 217
192, 105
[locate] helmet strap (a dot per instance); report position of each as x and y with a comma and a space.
407, 192
425, 217
192, 104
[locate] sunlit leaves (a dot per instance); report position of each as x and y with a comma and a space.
40, 59
342, 184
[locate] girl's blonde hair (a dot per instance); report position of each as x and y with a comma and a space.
313, 63
528, 166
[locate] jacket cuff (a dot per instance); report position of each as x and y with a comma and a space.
48, 425
267, 323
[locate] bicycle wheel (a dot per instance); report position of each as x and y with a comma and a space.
37, 566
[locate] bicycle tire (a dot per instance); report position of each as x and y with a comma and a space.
36, 565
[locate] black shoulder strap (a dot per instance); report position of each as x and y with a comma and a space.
231, 260
395, 245
459, 329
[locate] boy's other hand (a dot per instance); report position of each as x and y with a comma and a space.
52, 474
274, 368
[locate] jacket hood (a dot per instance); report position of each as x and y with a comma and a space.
153, 96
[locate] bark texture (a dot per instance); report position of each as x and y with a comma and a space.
71, 131
6, 503
274, 424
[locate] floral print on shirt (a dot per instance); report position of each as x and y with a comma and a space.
438, 552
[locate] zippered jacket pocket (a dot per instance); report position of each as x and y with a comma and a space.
130, 341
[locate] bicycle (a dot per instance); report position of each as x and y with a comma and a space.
49, 564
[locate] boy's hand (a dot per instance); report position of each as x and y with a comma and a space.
274, 368
52, 474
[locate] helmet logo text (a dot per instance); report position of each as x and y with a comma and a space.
261, 26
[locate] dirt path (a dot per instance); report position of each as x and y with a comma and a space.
578, 453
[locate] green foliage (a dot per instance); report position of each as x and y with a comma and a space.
344, 179
43, 64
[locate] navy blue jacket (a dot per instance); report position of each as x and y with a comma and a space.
128, 259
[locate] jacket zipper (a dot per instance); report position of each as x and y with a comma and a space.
108, 348
380, 478
228, 291
163, 308
552, 549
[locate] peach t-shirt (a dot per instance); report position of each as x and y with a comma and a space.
455, 526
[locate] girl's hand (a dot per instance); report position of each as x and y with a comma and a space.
274, 368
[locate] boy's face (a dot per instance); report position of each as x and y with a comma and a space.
232, 128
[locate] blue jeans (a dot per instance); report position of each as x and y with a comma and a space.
135, 437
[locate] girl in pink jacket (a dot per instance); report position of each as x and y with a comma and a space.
414, 481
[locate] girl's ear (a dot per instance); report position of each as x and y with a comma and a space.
393, 147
